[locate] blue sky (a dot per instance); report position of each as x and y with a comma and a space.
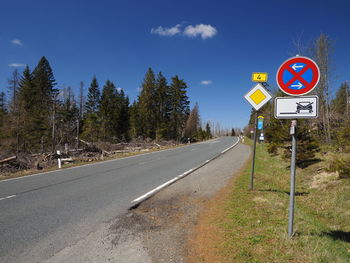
114, 40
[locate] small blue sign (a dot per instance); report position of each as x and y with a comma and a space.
260, 123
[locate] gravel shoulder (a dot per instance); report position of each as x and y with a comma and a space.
159, 229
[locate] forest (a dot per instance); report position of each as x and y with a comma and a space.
36, 116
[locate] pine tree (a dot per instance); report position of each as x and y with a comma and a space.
162, 106
42, 98
123, 124
147, 106
67, 115
135, 129
27, 101
107, 111
233, 133
208, 131
91, 131
307, 145
179, 107
93, 97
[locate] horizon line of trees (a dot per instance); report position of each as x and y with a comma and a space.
40, 117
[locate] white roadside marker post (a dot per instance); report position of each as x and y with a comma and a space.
59, 161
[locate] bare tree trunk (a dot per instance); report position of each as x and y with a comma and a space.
53, 141
81, 100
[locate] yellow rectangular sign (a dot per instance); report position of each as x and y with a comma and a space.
259, 77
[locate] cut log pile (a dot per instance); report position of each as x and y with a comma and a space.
91, 152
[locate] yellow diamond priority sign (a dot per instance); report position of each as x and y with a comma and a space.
258, 96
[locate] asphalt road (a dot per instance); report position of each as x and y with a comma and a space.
42, 214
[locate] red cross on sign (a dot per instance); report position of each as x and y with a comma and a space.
298, 76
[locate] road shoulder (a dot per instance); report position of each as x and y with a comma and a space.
158, 229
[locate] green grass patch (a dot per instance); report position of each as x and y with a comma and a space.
255, 222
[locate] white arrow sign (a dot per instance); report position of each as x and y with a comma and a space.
295, 66
299, 85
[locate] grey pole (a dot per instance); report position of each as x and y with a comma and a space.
292, 178
254, 149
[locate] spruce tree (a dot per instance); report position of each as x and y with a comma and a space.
91, 122
107, 111
147, 106
27, 100
135, 129
307, 145
162, 106
44, 93
123, 123
208, 131
179, 107
93, 97
67, 115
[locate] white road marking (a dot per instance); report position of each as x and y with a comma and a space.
7, 197
193, 149
160, 187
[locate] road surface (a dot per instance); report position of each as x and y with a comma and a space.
42, 214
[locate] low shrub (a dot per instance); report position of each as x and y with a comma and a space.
340, 165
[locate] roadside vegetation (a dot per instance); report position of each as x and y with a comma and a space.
254, 224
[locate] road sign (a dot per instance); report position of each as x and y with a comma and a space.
259, 77
258, 96
260, 122
261, 138
305, 107
298, 76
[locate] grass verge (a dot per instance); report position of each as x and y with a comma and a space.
254, 223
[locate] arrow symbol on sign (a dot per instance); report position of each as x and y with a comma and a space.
299, 85
295, 66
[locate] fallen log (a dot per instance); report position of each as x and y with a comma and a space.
68, 160
8, 159
87, 143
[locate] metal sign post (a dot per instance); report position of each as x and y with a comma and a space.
254, 150
292, 178
257, 97
297, 76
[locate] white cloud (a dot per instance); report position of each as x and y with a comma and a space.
166, 31
16, 65
17, 42
205, 31
206, 82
